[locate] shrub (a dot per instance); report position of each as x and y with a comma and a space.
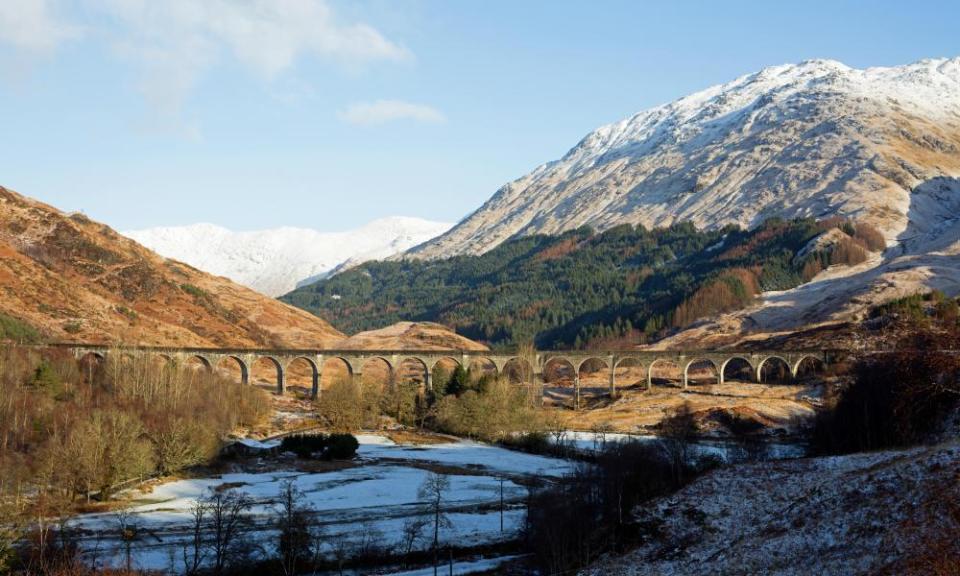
194, 291
17, 330
327, 446
590, 512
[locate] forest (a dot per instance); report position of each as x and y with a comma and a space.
626, 285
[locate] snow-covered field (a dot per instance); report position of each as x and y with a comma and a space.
698, 450
374, 499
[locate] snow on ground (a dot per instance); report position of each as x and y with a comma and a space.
379, 496
837, 515
475, 455
468, 567
698, 450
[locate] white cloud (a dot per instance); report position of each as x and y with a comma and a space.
177, 40
31, 26
383, 111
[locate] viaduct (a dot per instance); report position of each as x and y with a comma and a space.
533, 365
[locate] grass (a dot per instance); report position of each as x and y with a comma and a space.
18, 331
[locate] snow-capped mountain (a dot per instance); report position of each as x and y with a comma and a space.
276, 261
811, 139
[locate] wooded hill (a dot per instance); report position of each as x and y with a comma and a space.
625, 285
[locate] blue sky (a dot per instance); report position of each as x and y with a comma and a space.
327, 114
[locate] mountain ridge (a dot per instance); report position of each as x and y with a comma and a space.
74, 279
815, 139
278, 260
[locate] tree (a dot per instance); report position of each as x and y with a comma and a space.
676, 433
227, 519
458, 382
412, 533
293, 524
433, 491
194, 550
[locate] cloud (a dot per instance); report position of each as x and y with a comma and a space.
383, 111
176, 41
31, 26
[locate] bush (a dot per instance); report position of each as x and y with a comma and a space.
17, 330
590, 512
896, 399
323, 446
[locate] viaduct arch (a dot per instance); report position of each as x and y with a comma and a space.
534, 363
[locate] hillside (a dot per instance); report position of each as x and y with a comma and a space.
410, 336
276, 261
813, 139
74, 279
892, 512
620, 287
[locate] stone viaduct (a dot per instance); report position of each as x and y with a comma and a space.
531, 367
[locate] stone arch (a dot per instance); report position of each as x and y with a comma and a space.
334, 370
518, 370
593, 378
559, 381
377, 371
442, 369
815, 364
415, 369
481, 367
237, 363
256, 369
732, 362
302, 372
198, 358
663, 362
90, 363
629, 370
703, 363
92, 356
559, 368
769, 363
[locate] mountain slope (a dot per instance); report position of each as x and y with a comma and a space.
78, 280
622, 286
275, 262
812, 139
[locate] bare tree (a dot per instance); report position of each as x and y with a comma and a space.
227, 518
433, 490
129, 532
412, 533
296, 537
341, 545
194, 550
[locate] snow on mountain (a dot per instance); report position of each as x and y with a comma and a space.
811, 139
276, 261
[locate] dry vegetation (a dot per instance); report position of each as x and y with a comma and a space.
77, 280
74, 431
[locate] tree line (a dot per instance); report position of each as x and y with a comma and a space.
71, 432
627, 284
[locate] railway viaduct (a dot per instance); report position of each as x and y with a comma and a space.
530, 367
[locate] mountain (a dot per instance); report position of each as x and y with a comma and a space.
73, 279
812, 139
276, 261
623, 286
